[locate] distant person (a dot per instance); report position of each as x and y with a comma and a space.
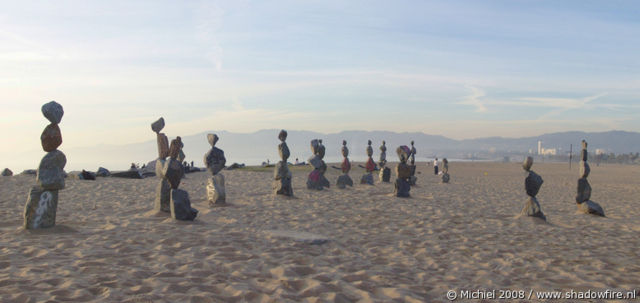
435, 166
297, 161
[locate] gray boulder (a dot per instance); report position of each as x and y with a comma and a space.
51, 173
7, 172
158, 125
173, 172
532, 183
445, 178
53, 112
103, 172
590, 207
401, 188
216, 194
344, 181
367, 179
385, 174
163, 196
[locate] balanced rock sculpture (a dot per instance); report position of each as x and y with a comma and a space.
215, 161
344, 179
173, 171
532, 185
370, 166
445, 170
316, 179
163, 190
42, 200
412, 166
282, 175
385, 172
585, 205
401, 186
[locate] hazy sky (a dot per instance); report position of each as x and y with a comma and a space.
462, 69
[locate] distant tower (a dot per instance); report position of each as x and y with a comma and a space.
539, 147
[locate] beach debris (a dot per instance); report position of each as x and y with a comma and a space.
445, 170
87, 175
583, 196
215, 161
412, 166
282, 175
344, 179
316, 179
42, 201
532, 184
103, 172
369, 167
7, 172
385, 172
401, 186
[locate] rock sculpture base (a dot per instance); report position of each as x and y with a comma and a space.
343, 181
445, 178
532, 209
367, 179
590, 207
317, 180
385, 174
181, 206
282, 183
41, 207
401, 188
215, 190
163, 196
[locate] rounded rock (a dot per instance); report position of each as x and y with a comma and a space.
51, 137
53, 112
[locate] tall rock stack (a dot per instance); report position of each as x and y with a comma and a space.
163, 190
412, 166
316, 179
583, 196
532, 185
344, 179
214, 160
385, 172
42, 201
282, 175
370, 166
401, 186
445, 170
173, 171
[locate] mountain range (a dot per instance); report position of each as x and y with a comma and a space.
254, 148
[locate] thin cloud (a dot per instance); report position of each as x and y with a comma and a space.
474, 99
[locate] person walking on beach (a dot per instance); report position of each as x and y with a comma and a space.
435, 166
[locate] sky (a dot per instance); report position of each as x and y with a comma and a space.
462, 69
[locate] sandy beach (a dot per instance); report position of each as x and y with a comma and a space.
109, 246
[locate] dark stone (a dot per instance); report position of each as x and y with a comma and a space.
175, 148
29, 172
51, 173
584, 155
590, 207
173, 172
7, 172
127, 174
158, 125
51, 137
283, 150
40, 209
445, 178
181, 206
403, 171
532, 183
584, 190
367, 179
282, 183
343, 181
103, 172
163, 197
53, 112
584, 169
401, 188
317, 180
214, 160
532, 209
87, 175
385, 174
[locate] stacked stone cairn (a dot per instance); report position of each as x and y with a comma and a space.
385, 172
412, 166
173, 171
584, 189
532, 185
163, 190
282, 175
215, 161
344, 179
316, 179
42, 201
370, 166
401, 186
445, 170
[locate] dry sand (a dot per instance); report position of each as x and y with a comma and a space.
108, 246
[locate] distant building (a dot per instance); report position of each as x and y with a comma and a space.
546, 151
600, 151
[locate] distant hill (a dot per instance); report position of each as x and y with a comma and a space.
253, 148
